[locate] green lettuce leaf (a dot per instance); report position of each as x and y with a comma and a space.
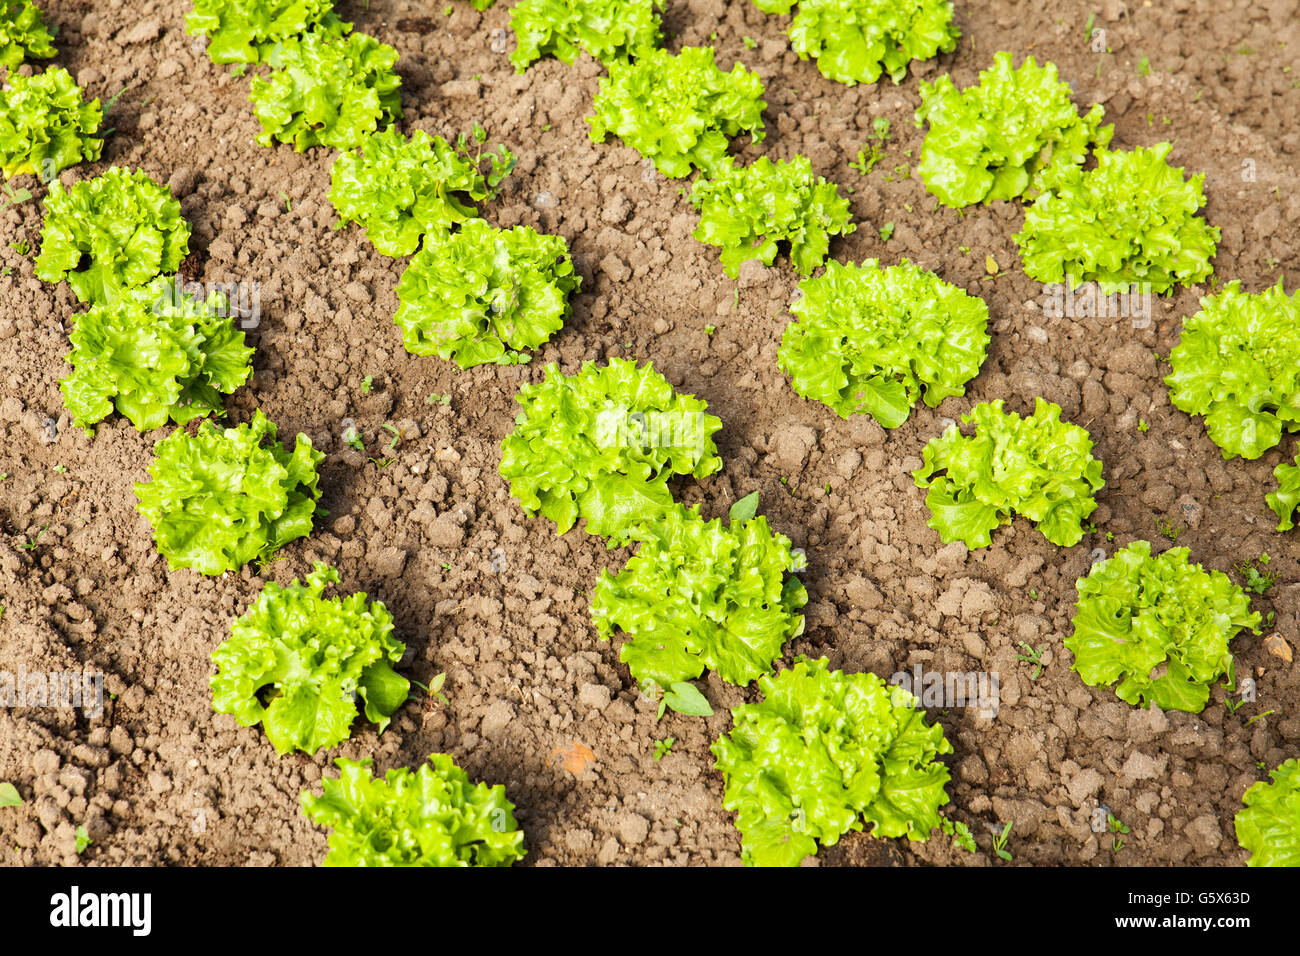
1038, 467
325, 90
483, 293
155, 354
246, 31
44, 125
678, 109
1236, 365
432, 817
1268, 825
823, 752
1286, 499
219, 499
874, 340
1009, 136
601, 444
700, 595
1159, 626
606, 29
402, 189
748, 210
296, 663
23, 35
1132, 220
115, 232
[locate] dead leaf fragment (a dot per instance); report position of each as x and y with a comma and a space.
573, 758
1276, 645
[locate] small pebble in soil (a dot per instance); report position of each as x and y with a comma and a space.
545, 200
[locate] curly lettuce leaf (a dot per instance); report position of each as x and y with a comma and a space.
699, 595
1159, 626
1009, 136
23, 34
296, 662
483, 293
327, 91
1236, 365
155, 354
106, 235
432, 817
401, 190
607, 29
748, 210
823, 752
601, 444
1038, 467
1130, 221
247, 31
872, 340
45, 127
1268, 825
678, 110
855, 41
220, 498
1286, 500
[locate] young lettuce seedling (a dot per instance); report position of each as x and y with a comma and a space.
609, 30
45, 127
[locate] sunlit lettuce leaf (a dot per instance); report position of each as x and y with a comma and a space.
115, 232
1158, 626
749, 210
221, 498
483, 294
872, 340
1131, 220
1286, 499
23, 34
430, 817
1236, 364
823, 752
326, 90
601, 445
45, 127
702, 595
1006, 137
1038, 467
298, 663
1268, 825
678, 109
606, 29
246, 31
155, 354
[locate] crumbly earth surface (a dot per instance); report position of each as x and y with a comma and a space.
498, 601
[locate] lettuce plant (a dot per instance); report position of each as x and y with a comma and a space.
484, 293
1006, 137
1159, 626
246, 31
855, 41
115, 232
600, 444
701, 595
1038, 467
1132, 220
402, 189
607, 29
1268, 825
1236, 365
327, 91
1286, 500
823, 752
45, 127
219, 498
155, 354
678, 109
432, 817
23, 35
297, 662
748, 210
873, 340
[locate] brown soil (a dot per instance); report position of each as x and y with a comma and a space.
497, 600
